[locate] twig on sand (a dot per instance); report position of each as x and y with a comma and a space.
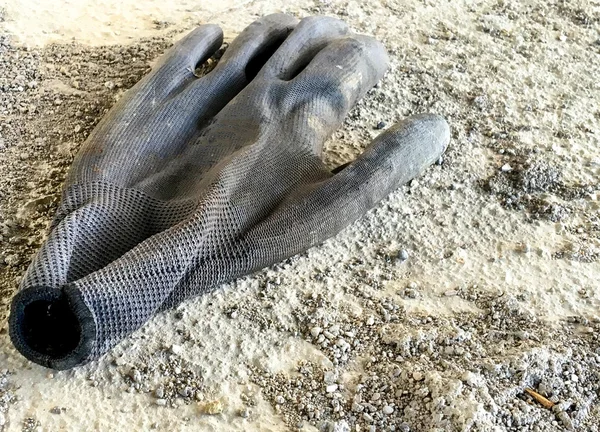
539, 398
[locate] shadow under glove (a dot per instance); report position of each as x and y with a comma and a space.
190, 182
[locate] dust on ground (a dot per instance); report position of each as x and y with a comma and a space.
433, 312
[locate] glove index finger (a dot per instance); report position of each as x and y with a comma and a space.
393, 158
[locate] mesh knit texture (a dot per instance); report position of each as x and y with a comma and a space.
190, 182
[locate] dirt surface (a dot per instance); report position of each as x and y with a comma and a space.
434, 312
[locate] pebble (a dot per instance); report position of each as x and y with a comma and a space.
12, 260
135, 375
212, 407
370, 320
331, 388
380, 125
329, 377
387, 409
565, 420
161, 402
417, 376
315, 331
403, 255
574, 378
176, 349
506, 168
334, 330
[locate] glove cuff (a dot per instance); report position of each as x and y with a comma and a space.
52, 327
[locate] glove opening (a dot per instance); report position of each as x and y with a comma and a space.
52, 327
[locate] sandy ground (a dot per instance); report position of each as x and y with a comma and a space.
500, 290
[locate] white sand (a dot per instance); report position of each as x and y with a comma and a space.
430, 221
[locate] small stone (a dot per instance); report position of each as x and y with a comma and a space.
245, 413
161, 402
565, 420
506, 168
329, 377
380, 125
356, 407
417, 376
77, 128
341, 426
212, 407
159, 392
12, 260
387, 409
403, 255
234, 314
334, 330
331, 388
574, 378
280, 400
367, 417
440, 160
135, 375
370, 320
55, 410
315, 331
176, 349
109, 85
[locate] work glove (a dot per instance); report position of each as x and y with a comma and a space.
189, 182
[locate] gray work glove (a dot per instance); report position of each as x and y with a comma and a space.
190, 182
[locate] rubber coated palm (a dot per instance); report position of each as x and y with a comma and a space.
190, 182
